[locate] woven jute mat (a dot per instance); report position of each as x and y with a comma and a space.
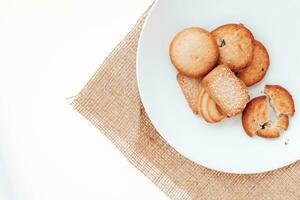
111, 102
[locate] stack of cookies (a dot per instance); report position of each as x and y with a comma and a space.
215, 70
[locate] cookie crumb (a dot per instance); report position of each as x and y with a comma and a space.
287, 141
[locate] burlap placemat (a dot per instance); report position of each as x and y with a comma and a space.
111, 101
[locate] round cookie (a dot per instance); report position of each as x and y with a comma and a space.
194, 52
236, 44
256, 117
258, 67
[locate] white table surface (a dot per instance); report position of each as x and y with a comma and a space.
48, 50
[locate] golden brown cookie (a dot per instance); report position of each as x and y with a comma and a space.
229, 92
208, 109
256, 115
256, 119
191, 89
269, 132
214, 112
282, 122
203, 100
280, 99
236, 45
273, 129
257, 68
194, 52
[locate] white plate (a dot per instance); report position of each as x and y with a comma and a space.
225, 146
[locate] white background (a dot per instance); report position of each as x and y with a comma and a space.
48, 50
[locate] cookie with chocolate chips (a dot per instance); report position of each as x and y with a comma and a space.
236, 44
258, 67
